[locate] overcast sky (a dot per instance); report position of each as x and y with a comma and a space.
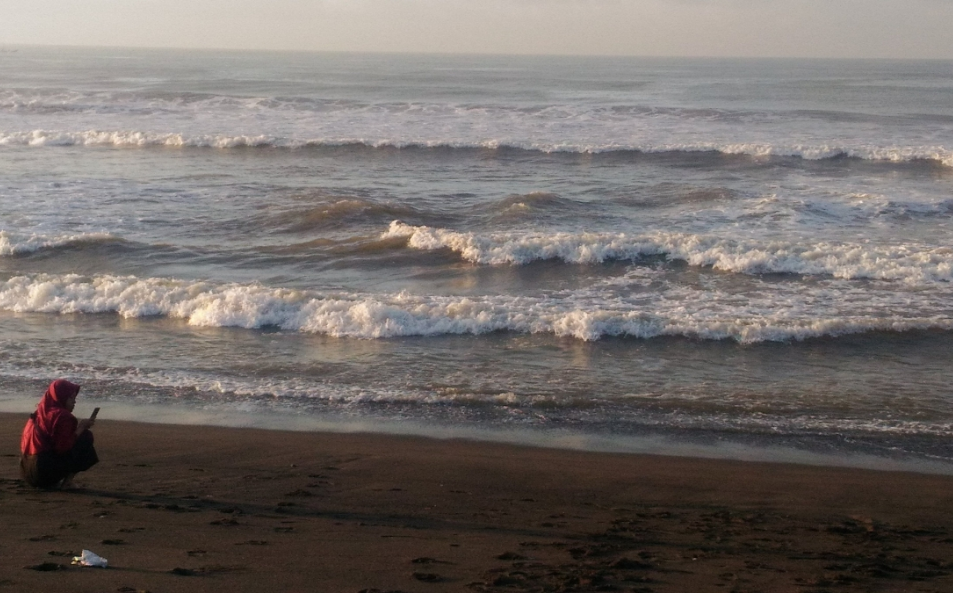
795, 28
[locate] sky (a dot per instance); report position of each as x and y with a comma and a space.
722, 28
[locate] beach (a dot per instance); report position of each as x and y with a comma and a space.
480, 322
188, 508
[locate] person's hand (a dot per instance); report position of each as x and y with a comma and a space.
84, 425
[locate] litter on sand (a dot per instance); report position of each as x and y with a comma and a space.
90, 559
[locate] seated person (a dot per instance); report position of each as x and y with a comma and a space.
55, 446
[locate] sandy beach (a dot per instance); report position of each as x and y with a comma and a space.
185, 508
653, 256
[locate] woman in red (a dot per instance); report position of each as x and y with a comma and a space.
55, 445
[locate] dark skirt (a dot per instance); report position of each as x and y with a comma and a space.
46, 470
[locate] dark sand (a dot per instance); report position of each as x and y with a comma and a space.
176, 508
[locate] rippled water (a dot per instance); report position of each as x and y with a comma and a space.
709, 252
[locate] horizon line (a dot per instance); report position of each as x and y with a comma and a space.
5, 48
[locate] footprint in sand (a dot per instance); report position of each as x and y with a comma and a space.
47, 567
204, 570
428, 560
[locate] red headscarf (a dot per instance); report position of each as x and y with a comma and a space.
52, 427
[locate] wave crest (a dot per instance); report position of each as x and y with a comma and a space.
847, 261
333, 212
132, 138
357, 315
11, 244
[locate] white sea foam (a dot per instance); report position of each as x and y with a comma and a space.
137, 138
121, 138
14, 244
939, 154
799, 313
906, 262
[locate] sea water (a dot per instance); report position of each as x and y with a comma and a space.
671, 255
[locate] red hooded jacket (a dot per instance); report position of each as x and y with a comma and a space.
52, 427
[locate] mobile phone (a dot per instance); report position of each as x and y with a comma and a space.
94, 414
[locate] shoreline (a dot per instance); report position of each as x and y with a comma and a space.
713, 446
188, 508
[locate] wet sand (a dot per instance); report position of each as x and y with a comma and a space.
184, 508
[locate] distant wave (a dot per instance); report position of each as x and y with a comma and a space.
360, 315
11, 244
37, 101
131, 138
848, 261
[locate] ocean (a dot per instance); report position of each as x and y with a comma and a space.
735, 258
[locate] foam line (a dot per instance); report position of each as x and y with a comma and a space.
906, 263
132, 138
710, 316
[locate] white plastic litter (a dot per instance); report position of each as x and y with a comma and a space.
90, 559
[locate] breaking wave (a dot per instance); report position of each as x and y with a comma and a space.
905, 263
579, 314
